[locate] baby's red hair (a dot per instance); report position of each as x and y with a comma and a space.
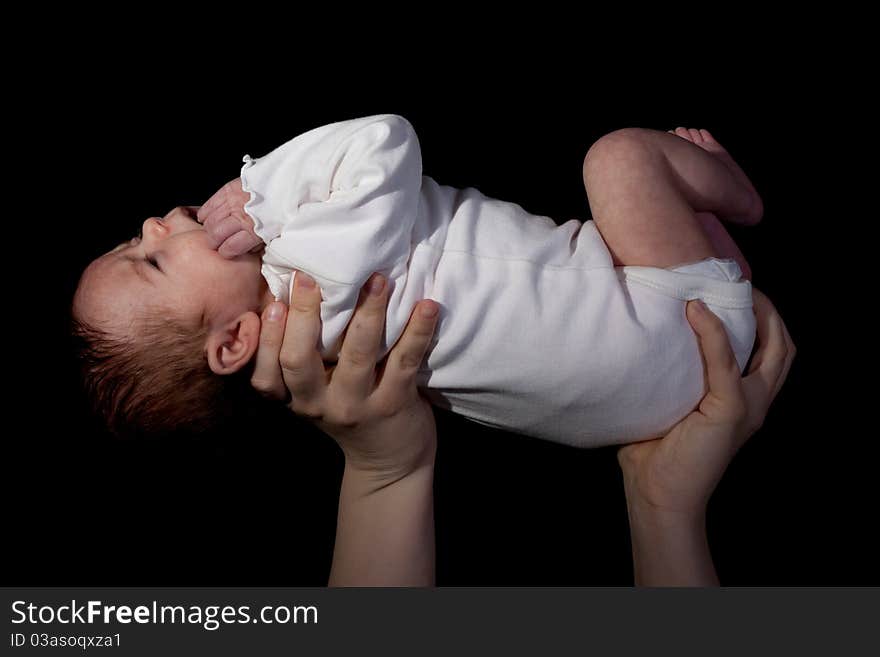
156, 380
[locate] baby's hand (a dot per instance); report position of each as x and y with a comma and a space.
230, 228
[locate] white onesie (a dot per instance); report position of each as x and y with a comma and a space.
538, 332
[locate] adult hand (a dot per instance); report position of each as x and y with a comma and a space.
230, 228
678, 473
376, 415
385, 524
668, 481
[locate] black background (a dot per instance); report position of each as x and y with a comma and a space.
108, 140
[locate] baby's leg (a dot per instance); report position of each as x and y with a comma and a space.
646, 188
722, 242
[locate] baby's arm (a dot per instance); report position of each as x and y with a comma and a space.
352, 183
355, 178
339, 202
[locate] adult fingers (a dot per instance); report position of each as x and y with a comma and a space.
772, 360
779, 339
355, 373
406, 357
722, 371
301, 361
791, 351
267, 376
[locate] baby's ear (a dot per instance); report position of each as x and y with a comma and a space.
231, 347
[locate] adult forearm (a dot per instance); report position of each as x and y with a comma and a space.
385, 530
669, 549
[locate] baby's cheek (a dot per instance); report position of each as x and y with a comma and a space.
236, 287
249, 275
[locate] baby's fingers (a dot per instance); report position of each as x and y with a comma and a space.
217, 202
240, 243
221, 229
203, 212
223, 202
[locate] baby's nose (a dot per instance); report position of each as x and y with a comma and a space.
154, 228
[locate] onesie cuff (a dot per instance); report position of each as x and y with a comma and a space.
251, 206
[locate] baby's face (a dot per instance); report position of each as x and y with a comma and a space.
171, 267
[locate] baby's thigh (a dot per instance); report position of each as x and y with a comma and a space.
637, 206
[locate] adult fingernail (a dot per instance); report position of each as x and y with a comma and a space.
276, 311
701, 307
429, 310
304, 280
377, 282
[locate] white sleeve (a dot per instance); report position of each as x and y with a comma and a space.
338, 202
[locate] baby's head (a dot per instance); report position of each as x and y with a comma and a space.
166, 328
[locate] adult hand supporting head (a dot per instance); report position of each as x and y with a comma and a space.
376, 415
385, 525
668, 481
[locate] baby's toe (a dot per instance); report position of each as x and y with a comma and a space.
683, 133
706, 135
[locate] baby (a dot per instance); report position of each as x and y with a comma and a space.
574, 333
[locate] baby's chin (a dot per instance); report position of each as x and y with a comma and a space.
266, 296
254, 273
254, 260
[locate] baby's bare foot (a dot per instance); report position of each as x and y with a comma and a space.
706, 141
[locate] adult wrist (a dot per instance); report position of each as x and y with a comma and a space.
378, 472
663, 520
662, 512
670, 548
